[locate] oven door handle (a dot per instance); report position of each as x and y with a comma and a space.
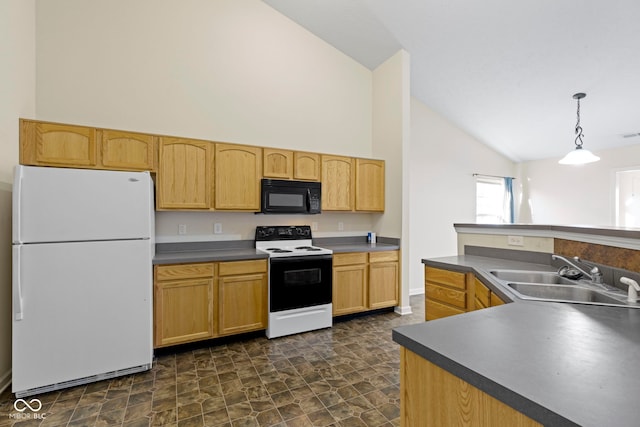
294, 259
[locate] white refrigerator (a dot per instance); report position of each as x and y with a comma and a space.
83, 243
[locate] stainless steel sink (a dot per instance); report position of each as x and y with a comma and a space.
550, 286
569, 293
531, 276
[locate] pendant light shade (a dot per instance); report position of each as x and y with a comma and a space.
579, 156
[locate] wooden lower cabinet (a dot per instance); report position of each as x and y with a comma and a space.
433, 397
243, 296
183, 303
199, 301
365, 281
446, 293
485, 297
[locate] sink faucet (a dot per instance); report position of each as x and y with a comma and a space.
595, 275
632, 296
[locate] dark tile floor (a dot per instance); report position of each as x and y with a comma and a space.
344, 376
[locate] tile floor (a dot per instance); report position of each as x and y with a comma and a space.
344, 376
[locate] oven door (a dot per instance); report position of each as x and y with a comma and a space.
296, 282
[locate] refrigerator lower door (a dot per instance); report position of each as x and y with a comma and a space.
81, 312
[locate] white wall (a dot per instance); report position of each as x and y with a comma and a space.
391, 115
442, 160
574, 195
17, 86
224, 70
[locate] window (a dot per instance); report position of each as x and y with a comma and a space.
494, 200
628, 198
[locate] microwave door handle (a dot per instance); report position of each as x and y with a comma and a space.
308, 200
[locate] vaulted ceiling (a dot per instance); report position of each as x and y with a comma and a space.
504, 71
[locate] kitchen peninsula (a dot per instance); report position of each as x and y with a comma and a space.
525, 363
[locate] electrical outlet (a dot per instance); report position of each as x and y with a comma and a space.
182, 228
217, 228
515, 240
314, 226
340, 226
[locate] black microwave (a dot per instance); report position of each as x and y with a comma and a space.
290, 197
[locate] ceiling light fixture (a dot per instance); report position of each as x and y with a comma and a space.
579, 156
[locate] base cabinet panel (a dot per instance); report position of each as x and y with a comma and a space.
243, 303
433, 397
349, 289
183, 311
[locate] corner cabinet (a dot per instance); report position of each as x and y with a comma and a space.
365, 281
238, 171
370, 182
337, 183
185, 174
183, 303
485, 297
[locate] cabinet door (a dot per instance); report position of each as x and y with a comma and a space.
127, 150
184, 174
446, 293
370, 182
277, 163
337, 183
243, 303
349, 289
306, 166
238, 174
383, 284
183, 311
51, 144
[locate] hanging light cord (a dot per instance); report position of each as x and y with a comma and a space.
578, 129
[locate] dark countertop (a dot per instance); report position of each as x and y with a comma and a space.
361, 247
207, 256
237, 250
560, 364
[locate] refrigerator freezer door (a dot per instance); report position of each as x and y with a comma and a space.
86, 311
67, 205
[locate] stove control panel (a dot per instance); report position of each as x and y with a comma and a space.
283, 232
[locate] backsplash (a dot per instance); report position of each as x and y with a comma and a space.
627, 259
200, 226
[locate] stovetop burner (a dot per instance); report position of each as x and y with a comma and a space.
287, 241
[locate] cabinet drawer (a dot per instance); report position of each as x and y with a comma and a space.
242, 267
385, 256
350, 258
445, 277
171, 272
482, 293
435, 310
446, 295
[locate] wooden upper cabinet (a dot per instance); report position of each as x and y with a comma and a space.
277, 163
52, 144
185, 174
370, 181
127, 150
337, 183
306, 166
238, 170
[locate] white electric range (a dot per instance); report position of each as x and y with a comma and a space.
300, 280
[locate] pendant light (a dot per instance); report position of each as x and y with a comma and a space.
579, 156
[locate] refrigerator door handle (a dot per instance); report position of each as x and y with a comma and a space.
17, 285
